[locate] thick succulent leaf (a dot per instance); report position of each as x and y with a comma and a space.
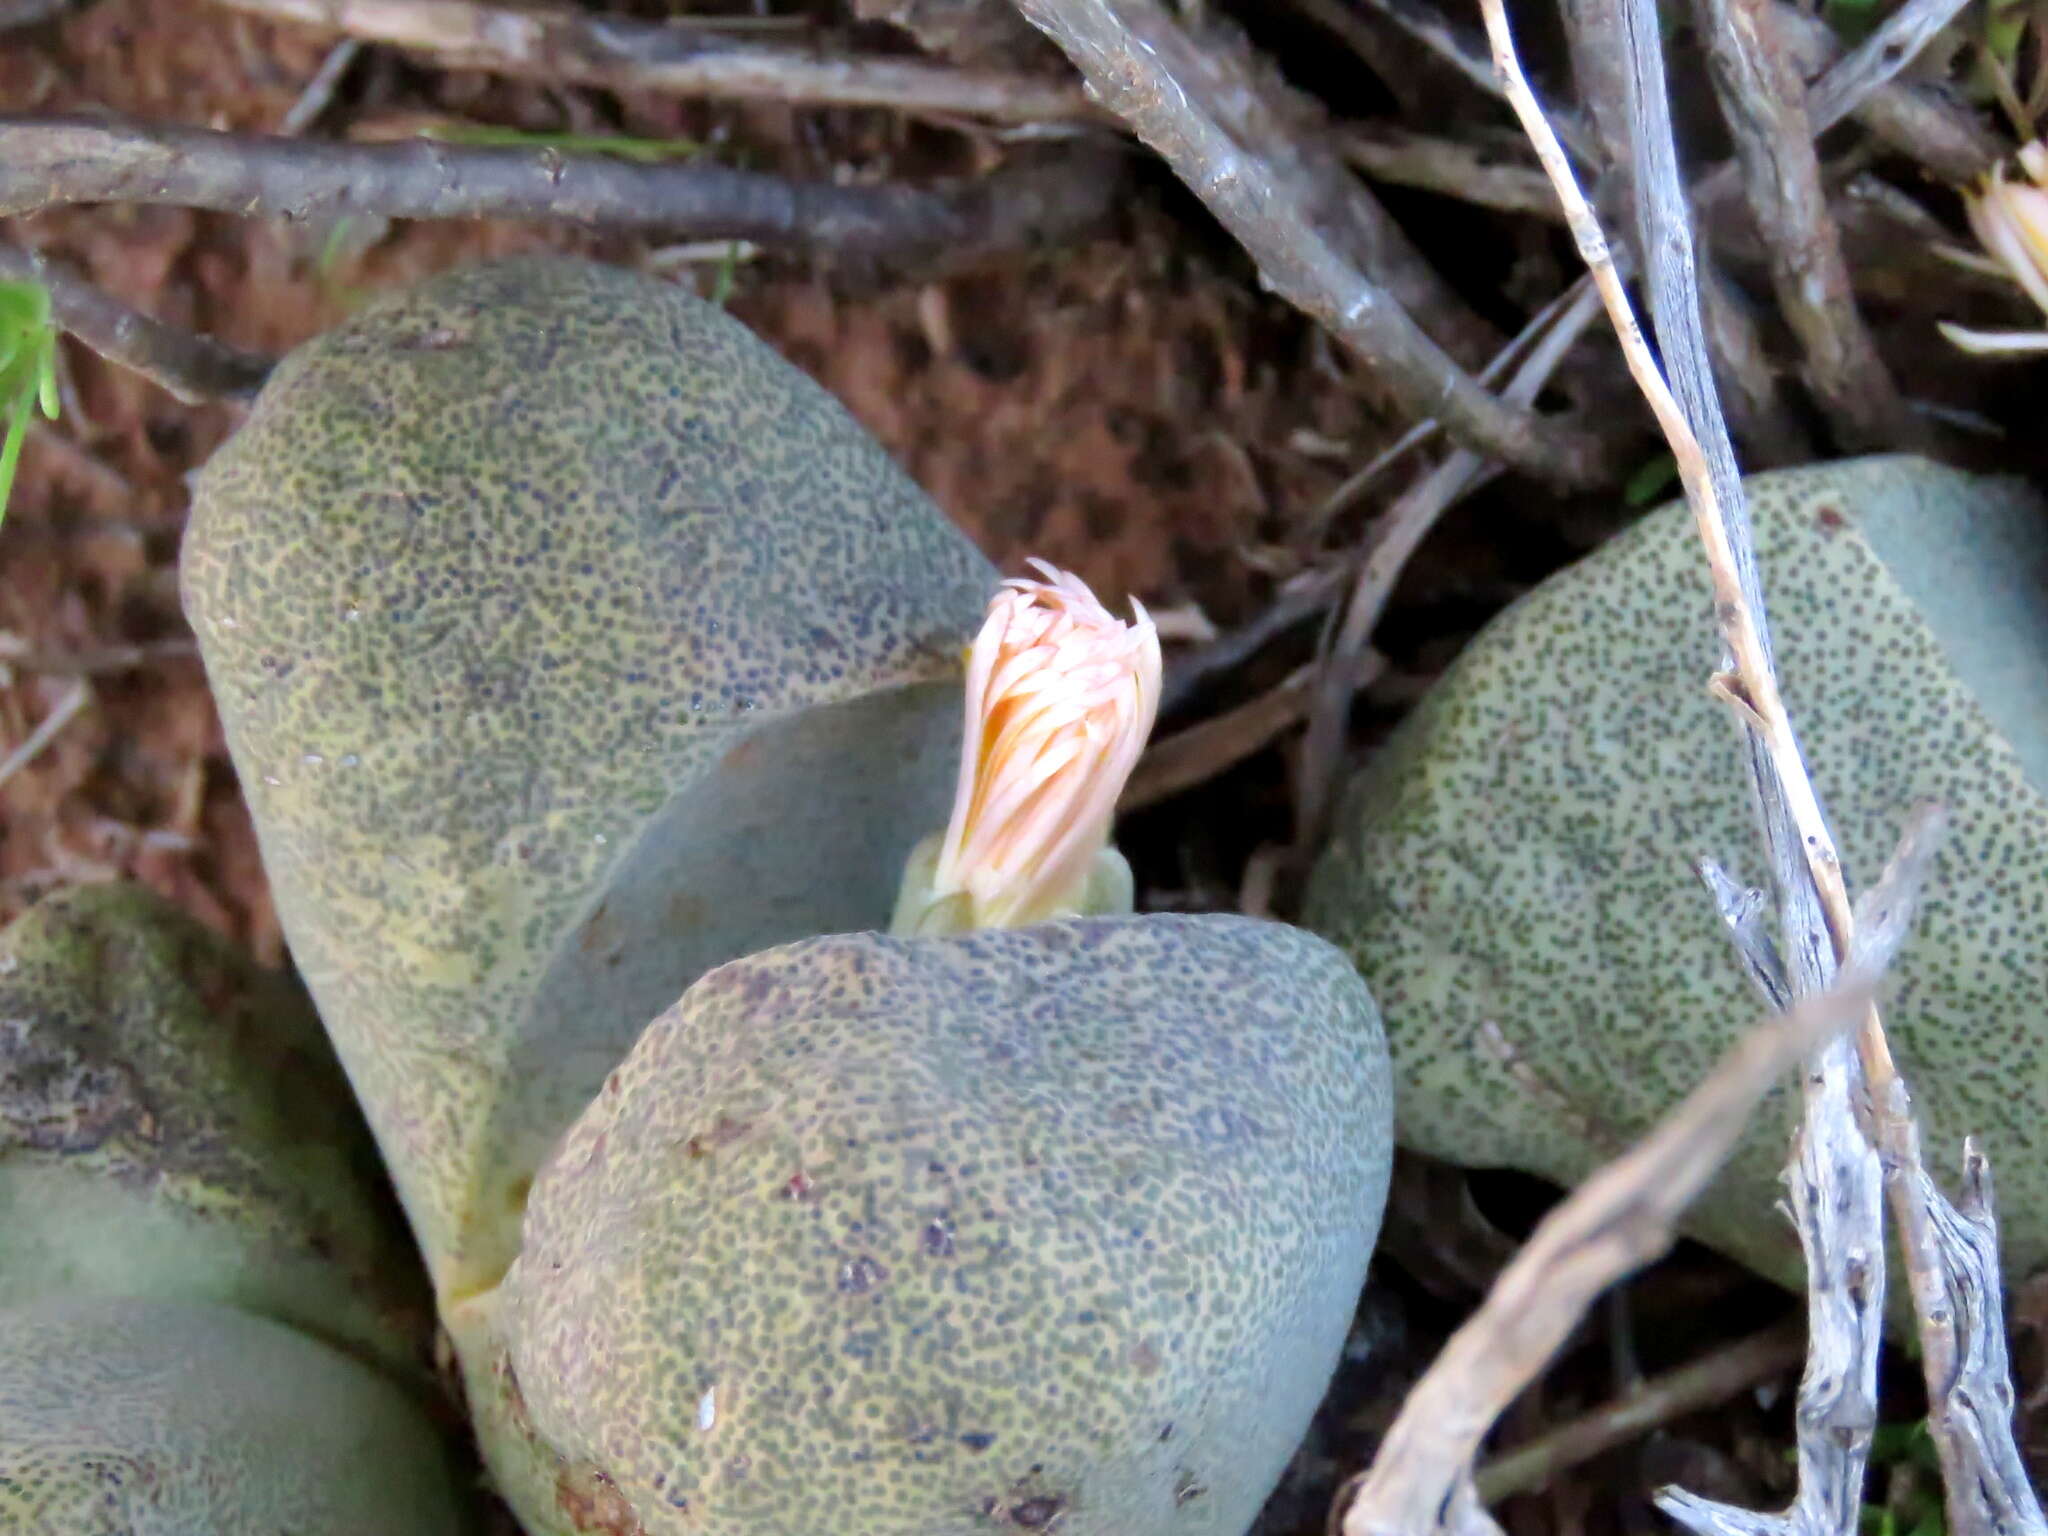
1060, 1226
173, 1124
1514, 875
141, 1418
569, 642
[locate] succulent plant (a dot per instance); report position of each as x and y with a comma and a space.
568, 643
1513, 875
593, 679
210, 1318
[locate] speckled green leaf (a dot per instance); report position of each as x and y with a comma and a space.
1060, 1227
140, 1418
569, 642
173, 1124
1513, 875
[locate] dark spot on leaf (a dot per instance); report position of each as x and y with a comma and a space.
723, 1133
861, 1274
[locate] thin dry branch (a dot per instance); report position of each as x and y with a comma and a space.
1835, 1174
1177, 763
1540, 325
582, 48
1763, 101
95, 662
1468, 172
1198, 109
1395, 538
1032, 201
1466, 52
1944, 137
47, 730
1855, 77
1835, 1202
191, 368
1958, 1293
319, 92
1619, 1219
1712, 1379
1596, 33
1285, 141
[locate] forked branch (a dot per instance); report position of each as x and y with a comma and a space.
1835, 1176
1421, 1482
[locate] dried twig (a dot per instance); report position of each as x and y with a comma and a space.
1198, 108
1952, 1265
47, 730
1855, 77
1466, 52
583, 48
1834, 1177
1540, 325
1617, 1220
1179, 762
319, 91
1712, 1379
1468, 172
1860, 84
1941, 135
1763, 100
17, 653
1283, 144
191, 368
1944, 137
1597, 34
1835, 1203
1305, 596
1397, 535
1032, 201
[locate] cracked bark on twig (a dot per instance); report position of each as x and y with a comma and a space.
1835, 1180
1860, 84
573, 47
1200, 109
1029, 203
191, 368
1763, 101
1958, 1293
1854, 77
1836, 1206
1595, 36
1284, 137
1837, 1192
1941, 135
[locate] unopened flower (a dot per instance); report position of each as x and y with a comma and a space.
1061, 696
2010, 220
